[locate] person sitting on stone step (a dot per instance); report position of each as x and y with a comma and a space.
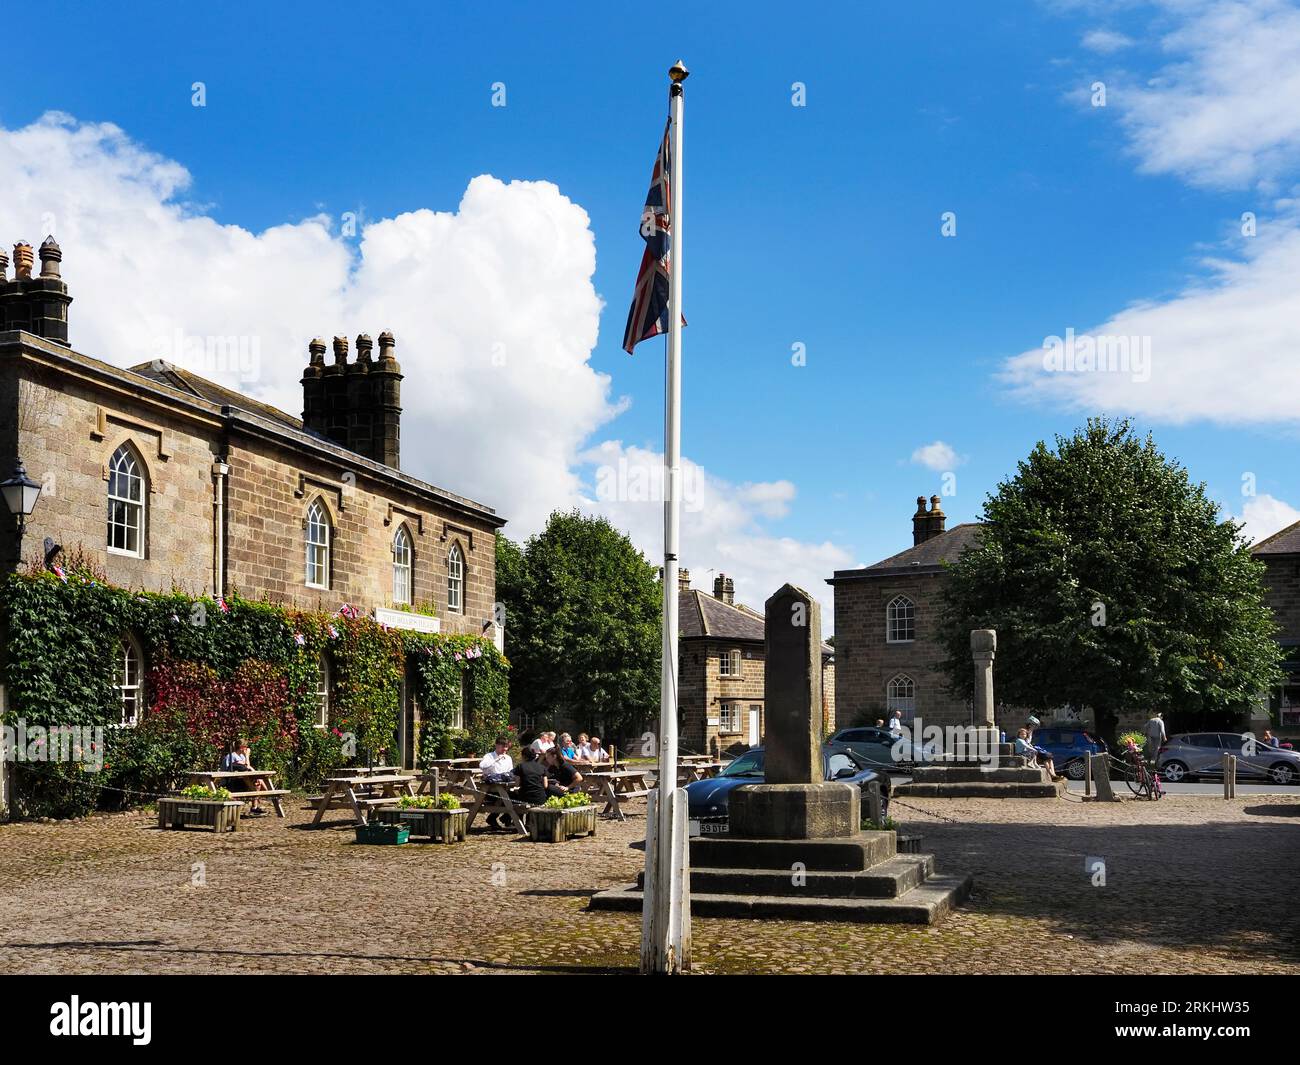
1034, 756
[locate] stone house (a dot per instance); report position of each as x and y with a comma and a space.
886, 619
721, 670
164, 479
1280, 554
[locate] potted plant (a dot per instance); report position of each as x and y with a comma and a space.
438, 817
200, 805
561, 818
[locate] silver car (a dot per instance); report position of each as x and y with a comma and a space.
1200, 754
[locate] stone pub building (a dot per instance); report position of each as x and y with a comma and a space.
165, 479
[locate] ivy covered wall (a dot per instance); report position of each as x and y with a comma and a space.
214, 670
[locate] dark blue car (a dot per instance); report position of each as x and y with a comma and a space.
707, 799
1068, 745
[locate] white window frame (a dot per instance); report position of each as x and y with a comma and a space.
894, 700
729, 663
462, 708
127, 691
900, 616
403, 567
125, 466
318, 519
731, 717
455, 580
323, 681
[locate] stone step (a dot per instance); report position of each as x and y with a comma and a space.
976, 791
1004, 761
851, 854
926, 904
952, 774
889, 880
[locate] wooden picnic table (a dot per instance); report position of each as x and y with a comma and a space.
615, 786
495, 796
358, 794
247, 777
689, 772
448, 778
367, 771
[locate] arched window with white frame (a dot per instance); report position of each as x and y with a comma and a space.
318, 545
128, 680
455, 580
900, 694
900, 620
402, 566
126, 503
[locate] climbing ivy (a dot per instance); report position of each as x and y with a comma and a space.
216, 668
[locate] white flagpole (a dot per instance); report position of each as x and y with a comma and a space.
669, 946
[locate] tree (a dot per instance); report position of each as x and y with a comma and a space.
1113, 585
583, 625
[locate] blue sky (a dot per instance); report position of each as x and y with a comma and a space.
816, 225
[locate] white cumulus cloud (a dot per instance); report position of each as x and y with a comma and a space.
1264, 515
937, 456
492, 304
1106, 41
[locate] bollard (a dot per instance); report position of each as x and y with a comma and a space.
873, 803
1087, 775
1229, 776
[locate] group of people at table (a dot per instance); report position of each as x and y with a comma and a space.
548, 766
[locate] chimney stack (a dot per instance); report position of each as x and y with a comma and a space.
37, 304
935, 520
355, 404
683, 581
919, 527
724, 589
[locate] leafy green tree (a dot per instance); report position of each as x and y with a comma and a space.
1113, 585
583, 624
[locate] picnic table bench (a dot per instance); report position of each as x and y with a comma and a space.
615, 786
494, 797
358, 793
689, 772
246, 777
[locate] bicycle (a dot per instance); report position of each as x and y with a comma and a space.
1142, 780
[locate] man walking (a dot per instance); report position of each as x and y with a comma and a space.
1154, 731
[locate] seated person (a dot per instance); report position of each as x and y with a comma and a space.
581, 753
497, 765
562, 776
595, 752
1269, 740
544, 742
1034, 755
532, 785
236, 760
567, 749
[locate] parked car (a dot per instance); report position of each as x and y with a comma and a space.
1069, 747
707, 799
1200, 754
877, 746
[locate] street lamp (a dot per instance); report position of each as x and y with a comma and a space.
20, 494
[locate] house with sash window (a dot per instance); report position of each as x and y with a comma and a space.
162, 479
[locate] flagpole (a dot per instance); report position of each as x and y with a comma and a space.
668, 951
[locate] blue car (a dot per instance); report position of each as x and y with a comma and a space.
1068, 745
707, 799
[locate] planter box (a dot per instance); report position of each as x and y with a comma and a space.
449, 826
218, 814
556, 826
383, 835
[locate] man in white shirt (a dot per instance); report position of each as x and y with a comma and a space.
896, 722
544, 742
497, 765
595, 752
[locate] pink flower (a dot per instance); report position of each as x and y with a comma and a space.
300, 639
58, 572
334, 633
224, 608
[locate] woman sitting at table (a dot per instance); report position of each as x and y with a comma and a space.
236, 760
580, 752
562, 778
532, 785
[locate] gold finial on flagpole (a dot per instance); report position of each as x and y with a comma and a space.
678, 72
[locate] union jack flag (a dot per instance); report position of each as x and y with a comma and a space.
648, 315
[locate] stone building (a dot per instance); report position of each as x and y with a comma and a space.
721, 670
1280, 554
887, 655
164, 479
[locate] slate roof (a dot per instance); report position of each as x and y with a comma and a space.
701, 616
164, 373
1286, 542
924, 557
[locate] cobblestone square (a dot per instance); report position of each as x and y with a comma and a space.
1194, 884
